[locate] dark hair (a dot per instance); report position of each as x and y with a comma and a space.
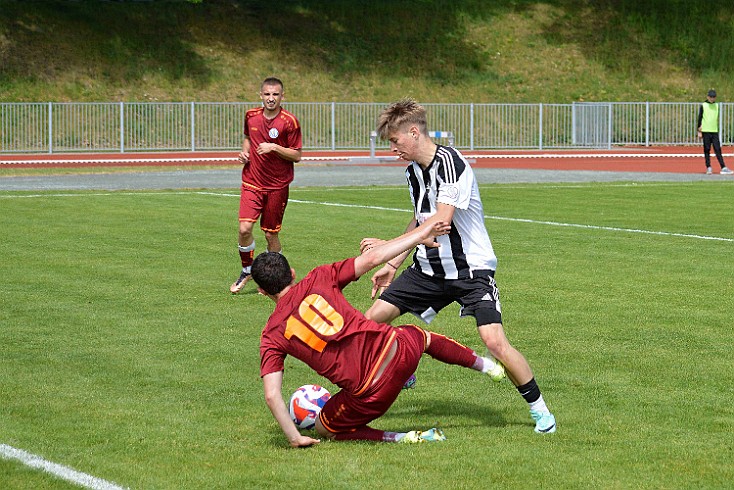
271, 272
273, 81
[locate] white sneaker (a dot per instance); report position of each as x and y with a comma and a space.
709, 171
726, 171
545, 423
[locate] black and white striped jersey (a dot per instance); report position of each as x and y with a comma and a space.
467, 248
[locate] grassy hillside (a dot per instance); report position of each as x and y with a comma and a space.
350, 50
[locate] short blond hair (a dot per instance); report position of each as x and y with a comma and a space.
398, 114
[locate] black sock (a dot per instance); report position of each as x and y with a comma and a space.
530, 391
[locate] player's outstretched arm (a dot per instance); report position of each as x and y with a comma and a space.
273, 384
380, 254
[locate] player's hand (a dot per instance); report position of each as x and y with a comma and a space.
368, 243
439, 228
700, 135
430, 243
436, 229
264, 148
304, 441
382, 279
243, 157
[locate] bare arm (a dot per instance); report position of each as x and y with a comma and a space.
273, 385
290, 154
244, 156
383, 277
379, 254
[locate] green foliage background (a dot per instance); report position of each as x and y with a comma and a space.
438, 51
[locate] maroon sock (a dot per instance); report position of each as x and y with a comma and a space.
450, 351
363, 433
247, 257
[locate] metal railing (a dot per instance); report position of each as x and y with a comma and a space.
206, 126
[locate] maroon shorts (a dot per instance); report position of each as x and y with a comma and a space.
268, 204
344, 411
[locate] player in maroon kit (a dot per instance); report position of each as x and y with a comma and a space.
271, 146
368, 361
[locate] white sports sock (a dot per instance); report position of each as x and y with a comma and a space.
539, 405
248, 248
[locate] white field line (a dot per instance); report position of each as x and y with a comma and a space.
63, 472
380, 208
537, 222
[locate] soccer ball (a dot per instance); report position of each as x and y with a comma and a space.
306, 404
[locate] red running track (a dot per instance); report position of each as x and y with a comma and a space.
686, 159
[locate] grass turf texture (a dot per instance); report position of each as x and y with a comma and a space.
125, 357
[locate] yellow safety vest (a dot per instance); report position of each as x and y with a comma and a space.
710, 120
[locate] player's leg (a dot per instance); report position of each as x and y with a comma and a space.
345, 417
480, 298
249, 212
412, 292
707, 150
449, 351
271, 221
383, 312
717, 150
519, 371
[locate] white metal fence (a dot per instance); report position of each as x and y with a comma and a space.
203, 126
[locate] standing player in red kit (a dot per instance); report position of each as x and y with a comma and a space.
367, 360
271, 146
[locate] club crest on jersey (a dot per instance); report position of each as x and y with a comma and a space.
273, 133
452, 191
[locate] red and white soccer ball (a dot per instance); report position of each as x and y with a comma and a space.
306, 404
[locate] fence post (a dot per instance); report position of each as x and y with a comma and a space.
722, 121
647, 123
193, 128
122, 128
471, 126
540, 126
610, 132
333, 125
50, 127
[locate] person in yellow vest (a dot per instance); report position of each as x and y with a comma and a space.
708, 129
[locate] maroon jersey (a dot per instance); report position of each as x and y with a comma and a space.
269, 171
315, 323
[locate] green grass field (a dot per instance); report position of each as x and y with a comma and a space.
123, 355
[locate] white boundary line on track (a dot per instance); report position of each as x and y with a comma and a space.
63, 472
355, 159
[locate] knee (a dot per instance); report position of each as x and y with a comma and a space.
245, 229
494, 338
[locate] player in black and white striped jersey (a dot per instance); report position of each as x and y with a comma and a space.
443, 188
